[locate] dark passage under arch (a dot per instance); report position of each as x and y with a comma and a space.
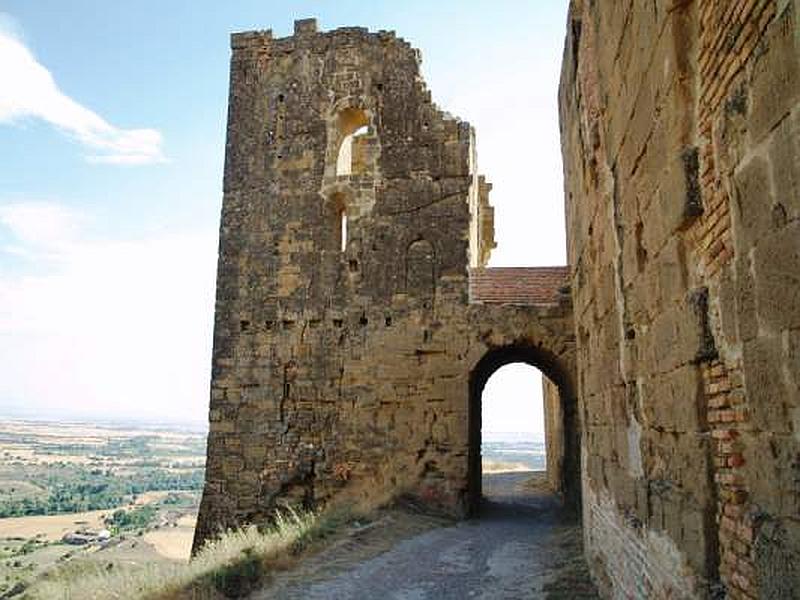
569, 481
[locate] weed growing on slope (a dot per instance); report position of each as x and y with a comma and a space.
231, 566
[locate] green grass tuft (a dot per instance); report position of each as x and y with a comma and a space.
237, 579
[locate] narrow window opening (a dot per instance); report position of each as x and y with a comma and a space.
343, 230
336, 211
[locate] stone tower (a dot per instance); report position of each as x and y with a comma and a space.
355, 322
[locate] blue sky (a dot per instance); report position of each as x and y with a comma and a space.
112, 124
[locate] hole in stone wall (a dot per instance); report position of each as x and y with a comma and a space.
353, 264
778, 216
343, 230
641, 253
336, 208
244, 325
388, 321
353, 126
337, 322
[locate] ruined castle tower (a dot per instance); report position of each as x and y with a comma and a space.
355, 322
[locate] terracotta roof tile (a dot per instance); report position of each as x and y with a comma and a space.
518, 285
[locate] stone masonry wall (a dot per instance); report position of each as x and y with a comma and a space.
681, 143
554, 433
345, 340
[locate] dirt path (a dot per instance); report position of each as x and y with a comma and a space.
523, 546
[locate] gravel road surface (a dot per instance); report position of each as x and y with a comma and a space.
523, 546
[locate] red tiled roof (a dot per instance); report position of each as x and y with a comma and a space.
518, 285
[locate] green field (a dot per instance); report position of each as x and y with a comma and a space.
141, 485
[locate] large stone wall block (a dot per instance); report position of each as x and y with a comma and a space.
776, 266
672, 401
766, 388
770, 461
775, 85
784, 155
752, 203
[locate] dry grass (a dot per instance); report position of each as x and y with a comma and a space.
51, 527
495, 466
231, 566
153, 496
174, 543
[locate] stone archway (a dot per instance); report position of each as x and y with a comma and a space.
568, 483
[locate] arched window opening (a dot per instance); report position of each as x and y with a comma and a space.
353, 127
513, 431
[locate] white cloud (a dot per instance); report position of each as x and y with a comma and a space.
41, 224
31, 92
113, 328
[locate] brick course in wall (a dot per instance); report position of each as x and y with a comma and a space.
519, 285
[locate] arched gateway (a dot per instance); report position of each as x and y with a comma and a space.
355, 321
562, 432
